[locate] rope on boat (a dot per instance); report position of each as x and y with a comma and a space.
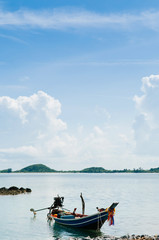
99, 221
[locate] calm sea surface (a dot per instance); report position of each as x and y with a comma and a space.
137, 212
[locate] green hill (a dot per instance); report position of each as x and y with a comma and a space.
154, 170
94, 170
9, 170
36, 168
41, 168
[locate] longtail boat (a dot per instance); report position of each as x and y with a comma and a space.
76, 220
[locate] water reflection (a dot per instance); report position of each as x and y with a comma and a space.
64, 232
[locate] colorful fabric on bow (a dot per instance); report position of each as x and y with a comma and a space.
111, 213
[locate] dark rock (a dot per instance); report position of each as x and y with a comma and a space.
124, 237
28, 190
138, 237
23, 190
2, 189
14, 190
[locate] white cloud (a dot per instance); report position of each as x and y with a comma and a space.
150, 82
77, 18
98, 131
15, 106
32, 131
139, 100
25, 150
29, 123
146, 125
35, 108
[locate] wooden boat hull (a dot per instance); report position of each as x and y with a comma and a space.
93, 222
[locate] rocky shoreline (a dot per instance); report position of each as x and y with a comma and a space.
134, 237
14, 190
125, 237
128, 237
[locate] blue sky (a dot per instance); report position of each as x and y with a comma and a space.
79, 83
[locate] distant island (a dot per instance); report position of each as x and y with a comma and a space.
41, 168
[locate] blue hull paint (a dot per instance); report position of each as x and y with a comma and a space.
94, 221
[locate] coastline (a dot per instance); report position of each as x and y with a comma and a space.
41, 168
124, 237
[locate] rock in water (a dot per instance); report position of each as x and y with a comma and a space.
14, 190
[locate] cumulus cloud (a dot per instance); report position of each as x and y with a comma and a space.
146, 125
30, 126
77, 18
34, 108
32, 131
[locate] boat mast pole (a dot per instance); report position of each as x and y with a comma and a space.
83, 204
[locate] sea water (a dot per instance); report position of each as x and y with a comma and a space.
137, 212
